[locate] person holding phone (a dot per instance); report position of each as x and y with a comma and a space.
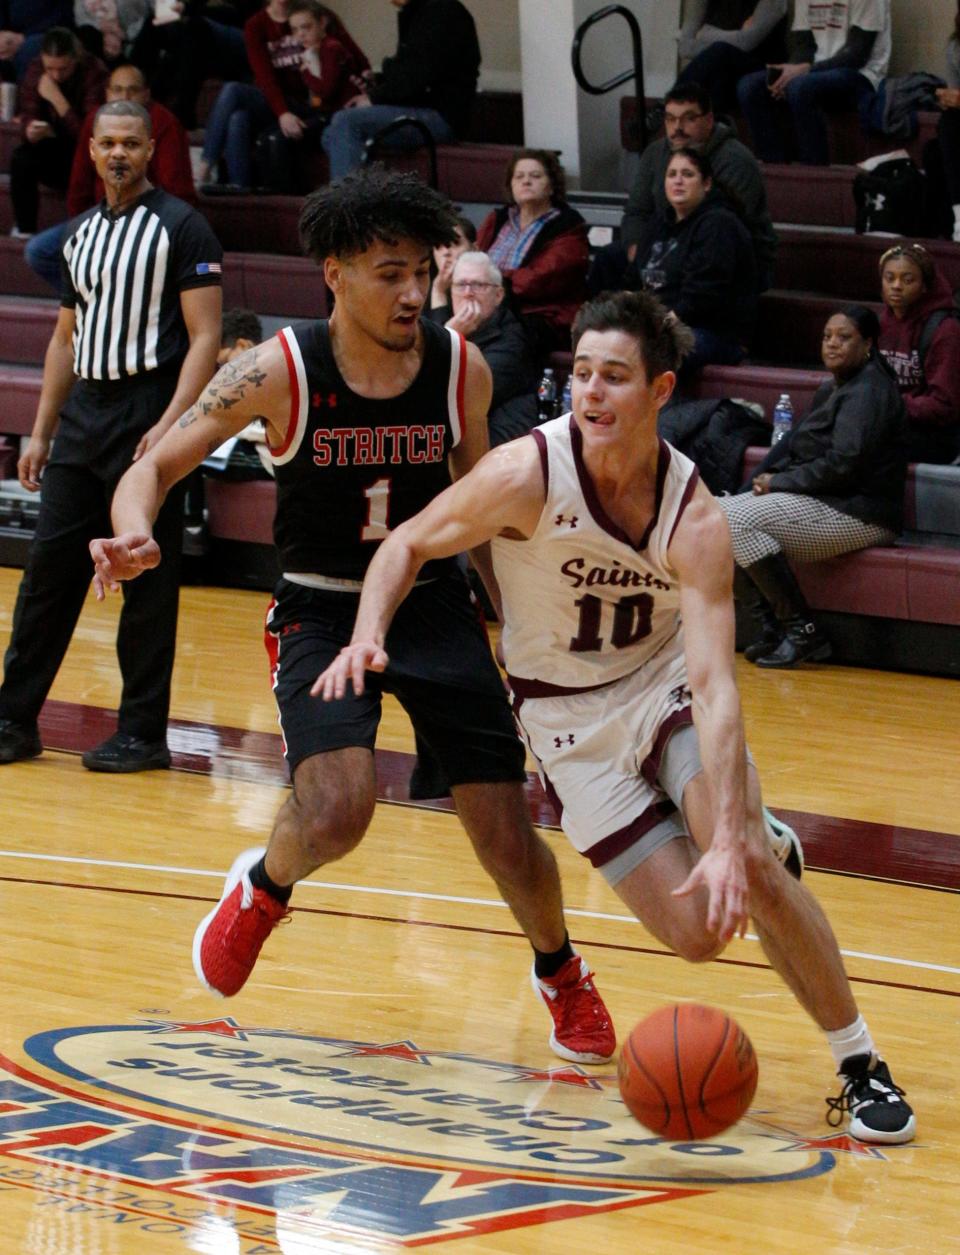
837, 54
60, 88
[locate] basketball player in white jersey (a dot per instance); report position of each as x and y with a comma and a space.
614, 568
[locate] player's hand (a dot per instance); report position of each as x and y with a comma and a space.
350, 664
721, 872
32, 462
121, 558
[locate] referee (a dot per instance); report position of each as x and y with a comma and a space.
135, 342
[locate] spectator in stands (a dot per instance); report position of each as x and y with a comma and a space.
480, 313
540, 245
205, 41
833, 485
333, 68
837, 56
443, 260
108, 28
240, 329
242, 110
920, 339
169, 169
948, 130
690, 123
722, 40
23, 24
60, 87
432, 77
697, 258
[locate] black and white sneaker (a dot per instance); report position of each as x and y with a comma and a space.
876, 1105
785, 843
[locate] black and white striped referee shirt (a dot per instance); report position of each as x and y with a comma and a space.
123, 276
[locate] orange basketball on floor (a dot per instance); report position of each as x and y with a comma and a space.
687, 1072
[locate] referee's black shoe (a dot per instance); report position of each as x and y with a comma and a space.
18, 741
124, 753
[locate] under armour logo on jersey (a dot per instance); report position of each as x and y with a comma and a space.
680, 695
562, 518
290, 629
318, 400
560, 741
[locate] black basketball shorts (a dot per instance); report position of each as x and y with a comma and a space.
440, 670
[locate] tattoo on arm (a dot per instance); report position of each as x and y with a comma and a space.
229, 386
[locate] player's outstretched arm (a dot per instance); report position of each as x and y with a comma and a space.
703, 559
503, 493
254, 385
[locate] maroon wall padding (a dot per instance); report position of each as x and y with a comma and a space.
790, 326
291, 286
16, 277
763, 384
53, 207
20, 389
870, 581
847, 265
933, 585
241, 511
811, 195
254, 224
25, 329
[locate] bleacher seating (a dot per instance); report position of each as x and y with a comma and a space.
896, 606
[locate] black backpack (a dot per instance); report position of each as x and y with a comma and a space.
890, 198
933, 323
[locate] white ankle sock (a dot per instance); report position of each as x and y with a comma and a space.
956, 224
855, 1039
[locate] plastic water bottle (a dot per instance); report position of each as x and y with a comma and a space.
547, 396
782, 418
566, 401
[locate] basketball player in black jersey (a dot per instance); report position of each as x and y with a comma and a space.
367, 414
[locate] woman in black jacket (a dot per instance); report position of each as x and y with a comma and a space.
833, 485
698, 258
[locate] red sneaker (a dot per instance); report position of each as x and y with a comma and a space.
227, 942
582, 1029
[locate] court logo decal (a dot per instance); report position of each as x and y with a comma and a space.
330, 1138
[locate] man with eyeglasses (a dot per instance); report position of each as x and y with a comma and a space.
689, 123
482, 316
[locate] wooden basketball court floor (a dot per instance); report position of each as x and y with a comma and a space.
384, 1081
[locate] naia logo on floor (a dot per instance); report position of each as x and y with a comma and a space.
331, 1136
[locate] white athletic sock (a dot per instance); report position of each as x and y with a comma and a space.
855, 1039
956, 224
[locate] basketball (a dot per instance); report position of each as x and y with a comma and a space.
687, 1072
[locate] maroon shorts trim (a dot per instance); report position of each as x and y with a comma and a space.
621, 840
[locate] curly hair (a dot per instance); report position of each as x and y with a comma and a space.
663, 341
373, 203
552, 168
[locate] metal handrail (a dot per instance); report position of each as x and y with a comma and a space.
398, 124
636, 38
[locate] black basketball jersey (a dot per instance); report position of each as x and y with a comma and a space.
352, 468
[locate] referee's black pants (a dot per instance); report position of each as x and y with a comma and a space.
99, 431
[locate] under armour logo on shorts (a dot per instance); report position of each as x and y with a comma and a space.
561, 518
560, 741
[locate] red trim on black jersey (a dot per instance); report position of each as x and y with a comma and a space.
462, 385
279, 451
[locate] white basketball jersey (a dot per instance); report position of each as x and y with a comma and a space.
583, 606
